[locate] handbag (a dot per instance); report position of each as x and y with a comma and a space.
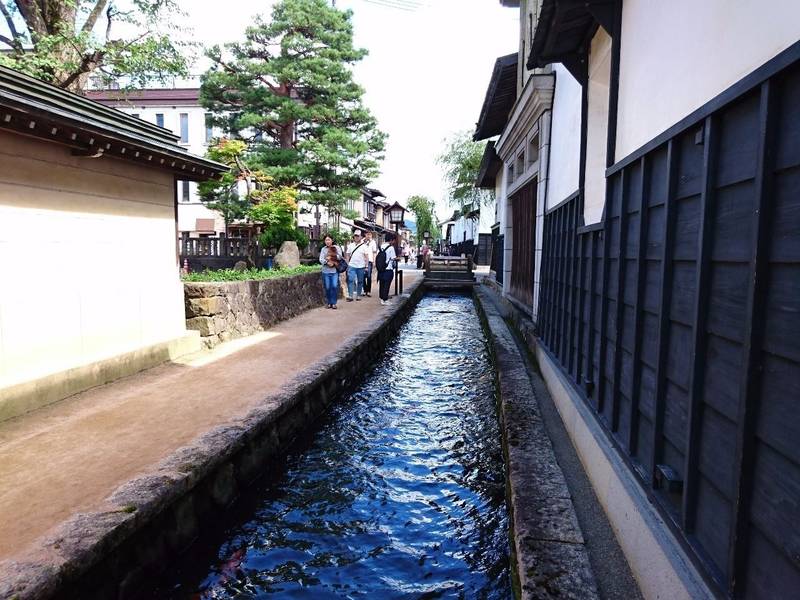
342, 265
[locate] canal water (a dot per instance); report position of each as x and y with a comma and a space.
399, 493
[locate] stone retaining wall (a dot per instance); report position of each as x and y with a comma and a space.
120, 550
549, 556
227, 310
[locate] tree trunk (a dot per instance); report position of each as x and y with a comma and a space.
287, 135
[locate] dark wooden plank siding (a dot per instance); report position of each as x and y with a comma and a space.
523, 208
677, 318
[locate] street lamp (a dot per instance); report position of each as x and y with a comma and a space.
396, 218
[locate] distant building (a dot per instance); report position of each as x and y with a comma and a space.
179, 110
88, 245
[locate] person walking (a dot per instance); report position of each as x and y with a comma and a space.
329, 257
384, 263
373, 251
357, 254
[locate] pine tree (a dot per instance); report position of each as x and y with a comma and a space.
288, 90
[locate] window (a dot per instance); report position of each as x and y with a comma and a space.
533, 150
135, 115
209, 128
519, 167
184, 191
510, 173
160, 119
184, 118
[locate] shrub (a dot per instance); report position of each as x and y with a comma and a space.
247, 274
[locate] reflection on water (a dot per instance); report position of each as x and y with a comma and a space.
399, 494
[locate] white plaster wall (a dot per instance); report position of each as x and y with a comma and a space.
87, 259
545, 137
188, 212
487, 219
675, 56
565, 139
597, 126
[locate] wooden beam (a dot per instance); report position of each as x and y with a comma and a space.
700, 315
749, 389
601, 366
572, 243
638, 310
589, 380
622, 265
665, 301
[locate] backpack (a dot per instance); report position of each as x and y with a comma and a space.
380, 260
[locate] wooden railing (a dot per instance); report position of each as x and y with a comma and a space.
221, 247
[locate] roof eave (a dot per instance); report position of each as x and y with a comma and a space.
494, 112
564, 31
33, 108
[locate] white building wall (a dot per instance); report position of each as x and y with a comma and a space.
193, 209
597, 126
675, 56
88, 246
565, 140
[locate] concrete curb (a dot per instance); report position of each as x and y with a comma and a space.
550, 558
111, 552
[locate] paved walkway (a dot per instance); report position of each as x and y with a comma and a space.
66, 458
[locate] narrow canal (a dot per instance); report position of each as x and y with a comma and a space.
400, 493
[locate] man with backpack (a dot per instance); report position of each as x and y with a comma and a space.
384, 263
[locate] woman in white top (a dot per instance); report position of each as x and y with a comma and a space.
384, 263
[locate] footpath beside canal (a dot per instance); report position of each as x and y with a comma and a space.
90, 482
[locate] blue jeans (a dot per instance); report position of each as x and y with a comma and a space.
330, 281
355, 279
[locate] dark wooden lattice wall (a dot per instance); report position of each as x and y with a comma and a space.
678, 320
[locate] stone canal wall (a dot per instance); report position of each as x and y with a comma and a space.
227, 310
114, 553
549, 558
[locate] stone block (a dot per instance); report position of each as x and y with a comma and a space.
223, 488
556, 570
205, 325
207, 307
288, 256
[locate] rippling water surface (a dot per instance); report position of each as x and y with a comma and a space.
399, 493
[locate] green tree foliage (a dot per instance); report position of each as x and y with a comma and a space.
461, 161
425, 215
288, 90
223, 194
64, 41
251, 194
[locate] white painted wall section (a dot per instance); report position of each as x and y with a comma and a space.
675, 56
565, 141
597, 127
87, 259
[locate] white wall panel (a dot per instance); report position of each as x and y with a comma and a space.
675, 56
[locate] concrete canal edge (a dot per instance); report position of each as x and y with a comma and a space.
110, 553
549, 555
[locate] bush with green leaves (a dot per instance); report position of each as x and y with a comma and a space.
340, 236
248, 274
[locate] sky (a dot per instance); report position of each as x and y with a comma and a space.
425, 76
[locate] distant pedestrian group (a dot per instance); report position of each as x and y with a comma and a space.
361, 258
